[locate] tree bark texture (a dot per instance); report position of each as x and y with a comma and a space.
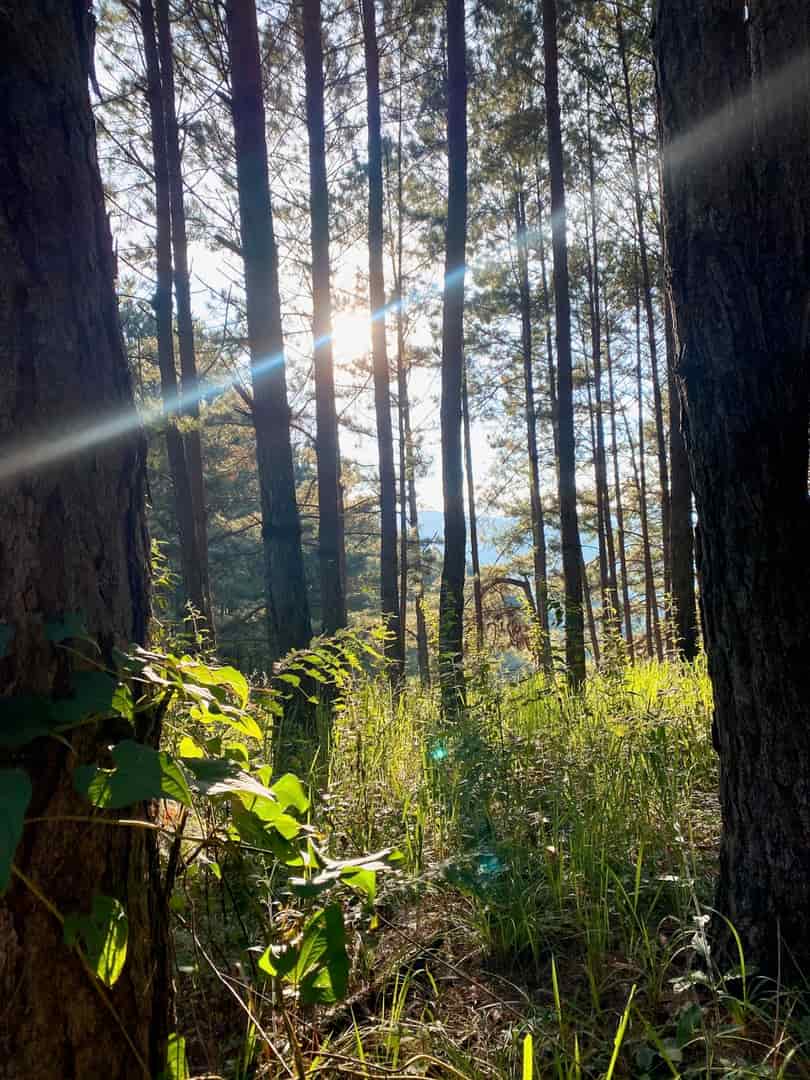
734, 97
451, 601
389, 593
330, 530
73, 540
478, 599
569, 527
289, 624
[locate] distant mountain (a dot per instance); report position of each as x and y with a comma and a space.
490, 532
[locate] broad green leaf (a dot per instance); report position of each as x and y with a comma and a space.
322, 970
69, 626
93, 693
250, 829
103, 934
140, 773
176, 1062
362, 880
24, 718
237, 751
190, 749
269, 811
290, 792
123, 703
15, 795
222, 676
223, 776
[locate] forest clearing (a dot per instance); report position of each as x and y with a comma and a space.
404, 455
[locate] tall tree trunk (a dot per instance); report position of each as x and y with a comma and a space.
288, 616
389, 595
569, 528
330, 529
617, 485
586, 592
539, 558
73, 541
415, 545
653, 622
735, 108
182, 290
602, 488
478, 598
183, 496
451, 601
548, 334
646, 286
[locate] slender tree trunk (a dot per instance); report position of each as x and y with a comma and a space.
382, 397
654, 626
586, 592
289, 624
451, 601
646, 285
617, 485
602, 487
735, 107
182, 290
422, 649
549, 336
330, 530
73, 541
539, 558
478, 598
178, 467
569, 528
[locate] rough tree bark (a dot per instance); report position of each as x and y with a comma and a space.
451, 600
569, 528
73, 540
734, 99
182, 290
288, 616
389, 595
330, 529
539, 559
162, 302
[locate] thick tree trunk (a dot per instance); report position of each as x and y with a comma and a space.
178, 466
569, 528
382, 396
682, 558
182, 291
289, 624
646, 286
735, 110
451, 601
539, 558
478, 599
73, 541
330, 529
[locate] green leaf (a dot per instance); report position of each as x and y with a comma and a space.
290, 792
223, 676
6, 637
528, 1058
322, 971
690, 1021
223, 776
140, 773
190, 749
269, 812
24, 718
362, 881
15, 795
176, 1062
251, 830
123, 702
103, 934
93, 693
69, 626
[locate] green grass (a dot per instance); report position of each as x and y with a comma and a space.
559, 858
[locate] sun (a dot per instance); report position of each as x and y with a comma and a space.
351, 335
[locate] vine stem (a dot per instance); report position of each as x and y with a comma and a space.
35, 890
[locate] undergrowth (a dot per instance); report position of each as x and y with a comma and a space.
548, 917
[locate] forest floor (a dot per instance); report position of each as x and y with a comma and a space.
548, 917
